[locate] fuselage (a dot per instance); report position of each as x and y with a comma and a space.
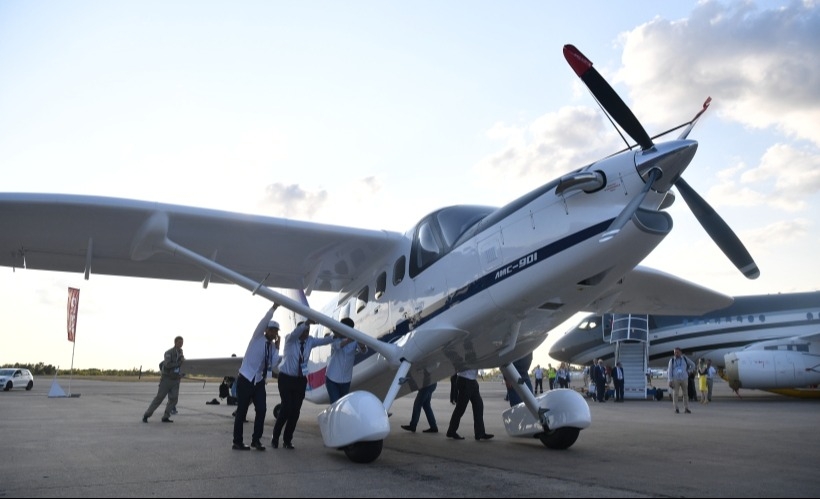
477, 287
748, 320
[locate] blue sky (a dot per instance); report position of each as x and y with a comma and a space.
372, 114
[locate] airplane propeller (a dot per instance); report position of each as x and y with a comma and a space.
614, 106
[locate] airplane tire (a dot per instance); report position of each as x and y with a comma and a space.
560, 439
364, 452
276, 409
30, 385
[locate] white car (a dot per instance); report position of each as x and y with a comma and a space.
12, 377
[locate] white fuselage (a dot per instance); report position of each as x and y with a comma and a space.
493, 297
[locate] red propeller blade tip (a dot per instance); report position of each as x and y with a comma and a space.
577, 61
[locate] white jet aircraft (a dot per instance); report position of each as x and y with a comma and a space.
466, 287
766, 342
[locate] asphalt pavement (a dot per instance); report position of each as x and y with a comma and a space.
96, 445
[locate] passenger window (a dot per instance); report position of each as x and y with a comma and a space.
361, 299
398, 270
381, 285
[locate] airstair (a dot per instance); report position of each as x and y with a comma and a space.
630, 334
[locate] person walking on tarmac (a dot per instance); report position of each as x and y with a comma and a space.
168, 382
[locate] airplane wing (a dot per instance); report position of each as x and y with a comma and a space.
811, 337
649, 291
95, 234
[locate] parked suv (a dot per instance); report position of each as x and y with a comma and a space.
12, 377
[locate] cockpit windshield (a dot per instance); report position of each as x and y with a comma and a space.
437, 233
455, 220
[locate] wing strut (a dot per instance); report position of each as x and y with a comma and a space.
152, 238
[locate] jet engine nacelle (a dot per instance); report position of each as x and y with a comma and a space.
771, 369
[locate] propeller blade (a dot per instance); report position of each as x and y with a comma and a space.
607, 96
718, 230
626, 214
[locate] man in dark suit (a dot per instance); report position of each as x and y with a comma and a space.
599, 376
618, 381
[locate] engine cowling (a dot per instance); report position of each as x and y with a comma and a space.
771, 369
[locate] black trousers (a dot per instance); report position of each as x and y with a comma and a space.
468, 393
245, 392
292, 393
619, 389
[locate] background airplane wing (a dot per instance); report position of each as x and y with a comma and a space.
78, 233
649, 291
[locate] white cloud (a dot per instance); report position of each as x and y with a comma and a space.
783, 233
292, 201
762, 67
785, 178
551, 145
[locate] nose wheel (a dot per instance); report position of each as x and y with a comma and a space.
559, 439
364, 452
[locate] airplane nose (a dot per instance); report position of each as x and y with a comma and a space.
567, 346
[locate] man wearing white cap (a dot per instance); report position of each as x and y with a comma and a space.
261, 356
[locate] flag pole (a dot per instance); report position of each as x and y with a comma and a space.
73, 305
71, 372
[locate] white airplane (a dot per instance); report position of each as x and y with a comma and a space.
466, 287
767, 342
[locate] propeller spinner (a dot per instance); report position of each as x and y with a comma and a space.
614, 106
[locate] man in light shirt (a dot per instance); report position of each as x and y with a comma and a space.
261, 356
678, 375
340, 366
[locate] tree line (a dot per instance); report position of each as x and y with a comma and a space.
43, 369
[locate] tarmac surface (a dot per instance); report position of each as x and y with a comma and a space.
96, 445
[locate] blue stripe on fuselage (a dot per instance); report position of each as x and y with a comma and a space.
486, 281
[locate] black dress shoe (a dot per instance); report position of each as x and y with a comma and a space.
144, 419
408, 428
485, 436
257, 445
430, 430
240, 447
288, 445
454, 435
167, 420
274, 443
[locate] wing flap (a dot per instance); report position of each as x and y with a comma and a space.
54, 232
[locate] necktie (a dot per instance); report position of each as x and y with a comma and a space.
301, 357
267, 360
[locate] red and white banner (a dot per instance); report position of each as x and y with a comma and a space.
73, 303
